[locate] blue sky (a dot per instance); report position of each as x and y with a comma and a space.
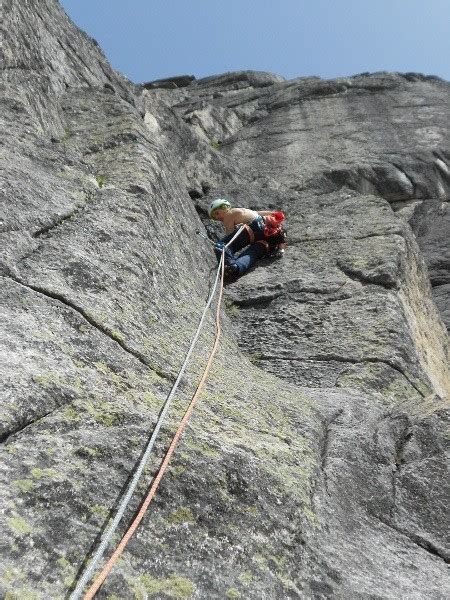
151, 39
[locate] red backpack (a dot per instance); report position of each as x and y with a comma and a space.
273, 223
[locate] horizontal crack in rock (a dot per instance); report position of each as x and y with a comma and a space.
260, 301
359, 277
295, 242
19, 428
353, 361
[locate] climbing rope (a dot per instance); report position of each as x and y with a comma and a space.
86, 576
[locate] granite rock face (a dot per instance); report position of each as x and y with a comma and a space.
314, 465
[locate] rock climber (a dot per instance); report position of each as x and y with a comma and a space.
263, 234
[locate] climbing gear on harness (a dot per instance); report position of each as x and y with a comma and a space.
218, 203
269, 227
273, 223
263, 243
274, 232
91, 568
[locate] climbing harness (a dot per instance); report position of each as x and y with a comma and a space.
93, 565
250, 233
269, 226
264, 244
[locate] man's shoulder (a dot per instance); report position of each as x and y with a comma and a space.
240, 213
233, 214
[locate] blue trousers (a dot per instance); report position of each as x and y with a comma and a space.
249, 256
255, 250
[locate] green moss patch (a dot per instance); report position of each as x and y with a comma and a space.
101, 180
22, 594
246, 577
19, 525
177, 470
38, 473
181, 515
87, 452
104, 413
24, 485
173, 587
63, 562
99, 510
48, 379
71, 414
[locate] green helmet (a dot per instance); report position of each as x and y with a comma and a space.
218, 203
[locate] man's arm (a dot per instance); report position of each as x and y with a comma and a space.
263, 213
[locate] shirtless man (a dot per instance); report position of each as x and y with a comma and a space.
262, 233
232, 217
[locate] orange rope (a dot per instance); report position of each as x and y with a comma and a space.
140, 515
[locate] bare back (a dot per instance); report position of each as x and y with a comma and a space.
237, 216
